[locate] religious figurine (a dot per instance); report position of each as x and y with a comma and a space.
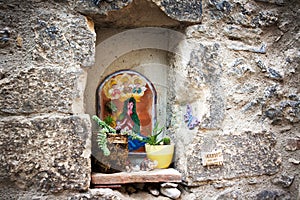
128, 120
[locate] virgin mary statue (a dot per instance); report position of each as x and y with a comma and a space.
129, 120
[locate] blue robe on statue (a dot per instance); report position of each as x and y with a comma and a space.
134, 144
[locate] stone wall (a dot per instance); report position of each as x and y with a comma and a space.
243, 67
45, 134
238, 68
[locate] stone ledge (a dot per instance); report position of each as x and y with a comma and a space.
154, 176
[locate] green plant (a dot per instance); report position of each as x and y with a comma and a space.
104, 129
109, 120
154, 138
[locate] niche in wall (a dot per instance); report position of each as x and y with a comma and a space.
144, 51
148, 67
126, 100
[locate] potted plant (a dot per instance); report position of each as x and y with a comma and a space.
104, 130
157, 148
113, 146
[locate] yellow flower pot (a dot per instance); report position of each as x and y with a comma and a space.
163, 154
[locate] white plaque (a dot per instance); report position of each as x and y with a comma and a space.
212, 158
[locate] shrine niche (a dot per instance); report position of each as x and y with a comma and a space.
126, 101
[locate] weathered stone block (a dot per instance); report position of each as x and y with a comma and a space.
47, 152
38, 90
211, 72
190, 11
66, 41
103, 7
246, 35
42, 33
246, 154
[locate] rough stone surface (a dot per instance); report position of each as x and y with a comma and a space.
292, 144
101, 7
32, 90
161, 12
104, 14
272, 194
44, 49
46, 152
190, 11
279, 2
237, 67
284, 180
43, 36
240, 78
247, 154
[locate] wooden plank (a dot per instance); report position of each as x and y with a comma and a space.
154, 176
107, 186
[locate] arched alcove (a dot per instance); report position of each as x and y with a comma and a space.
152, 66
144, 51
126, 100
150, 63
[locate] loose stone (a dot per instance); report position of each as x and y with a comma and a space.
169, 185
172, 193
153, 191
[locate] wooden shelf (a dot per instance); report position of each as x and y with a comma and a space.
154, 176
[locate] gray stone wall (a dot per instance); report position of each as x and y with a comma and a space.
243, 67
239, 72
47, 152
45, 134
